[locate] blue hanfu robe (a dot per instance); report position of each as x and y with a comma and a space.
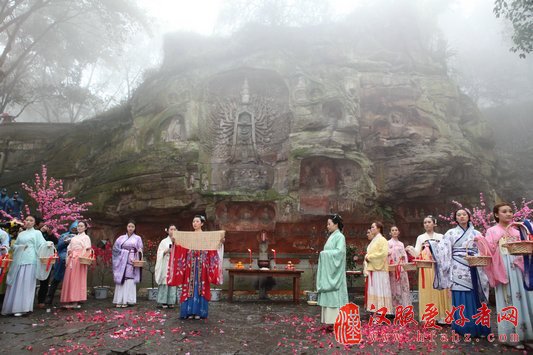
21, 278
469, 285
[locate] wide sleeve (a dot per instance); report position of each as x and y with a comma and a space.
489, 245
379, 252
161, 269
332, 266
39, 242
442, 254
418, 246
87, 242
214, 269
178, 270
120, 260
140, 245
402, 253
117, 250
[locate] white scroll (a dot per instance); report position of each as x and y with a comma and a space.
199, 240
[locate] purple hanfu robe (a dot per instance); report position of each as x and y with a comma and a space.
125, 250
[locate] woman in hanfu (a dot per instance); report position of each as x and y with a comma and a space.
399, 281
22, 274
442, 299
166, 295
11, 230
506, 275
365, 271
378, 292
60, 265
74, 288
195, 271
126, 249
331, 276
469, 285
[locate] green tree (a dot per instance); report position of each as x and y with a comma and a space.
50, 47
520, 14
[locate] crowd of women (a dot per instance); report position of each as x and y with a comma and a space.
74, 250
449, 287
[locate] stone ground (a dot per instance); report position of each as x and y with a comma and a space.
246, 326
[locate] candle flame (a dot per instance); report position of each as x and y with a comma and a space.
273, 250
250, 250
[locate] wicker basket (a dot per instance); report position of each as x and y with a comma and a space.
524, 247
405, 266
424, 264
52, 259
476, 260
87, 260
140, 262
409, 267
519, 247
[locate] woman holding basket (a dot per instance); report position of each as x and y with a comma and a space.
126, 250
506, 275
74, 288
470, 285
22, 274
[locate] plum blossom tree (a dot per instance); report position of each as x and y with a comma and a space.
53, 203
482, 217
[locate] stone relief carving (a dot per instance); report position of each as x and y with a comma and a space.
205, 182
173, 129
245, 215
243, 127
247, 122
328, 184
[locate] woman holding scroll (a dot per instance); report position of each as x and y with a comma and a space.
195, 270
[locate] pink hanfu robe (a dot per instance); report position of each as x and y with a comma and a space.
399, 281
75, 282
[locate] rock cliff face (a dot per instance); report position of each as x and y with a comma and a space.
271, 133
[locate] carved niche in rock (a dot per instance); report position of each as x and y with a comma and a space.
173, 129
247, 122
247, 177
328, 184
245, 216
400, 125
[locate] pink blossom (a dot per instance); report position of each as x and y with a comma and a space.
56, 208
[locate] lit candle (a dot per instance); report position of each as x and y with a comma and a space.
274, 251
250, 251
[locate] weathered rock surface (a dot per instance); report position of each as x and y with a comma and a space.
271, 133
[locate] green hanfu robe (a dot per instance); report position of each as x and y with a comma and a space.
331, 277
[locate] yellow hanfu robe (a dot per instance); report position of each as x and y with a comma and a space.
442, 299
379, 293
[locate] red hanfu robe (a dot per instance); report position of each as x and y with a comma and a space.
182, 268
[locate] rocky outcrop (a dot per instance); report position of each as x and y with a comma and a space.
272, 132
